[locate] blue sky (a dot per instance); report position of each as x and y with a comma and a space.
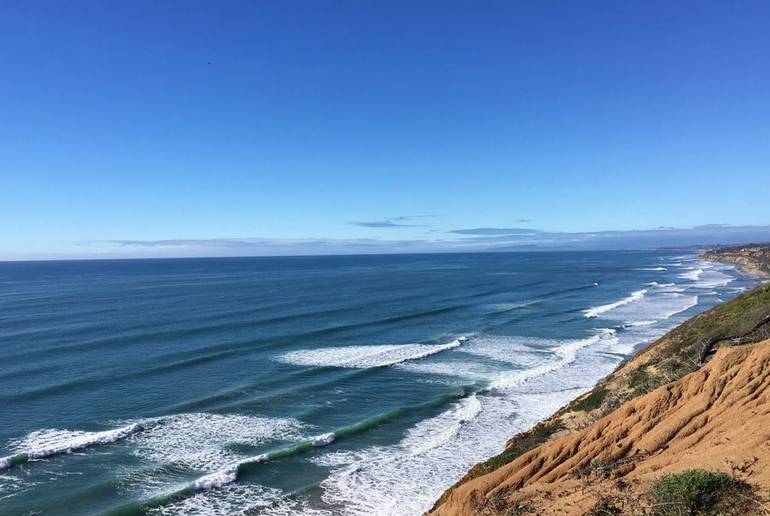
208, 128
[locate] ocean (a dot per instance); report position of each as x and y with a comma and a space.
351, 385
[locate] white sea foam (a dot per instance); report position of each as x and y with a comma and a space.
521, 358
363, 357
650, 318
637, 334
49, 442
598, 310
642, 323
228, 499
650, 269
670, 287
693, 274
659, 307
565, 352
708, 275
666, 287
217, 493
467, 370
714, 279
659, 301
226, 475
229, 473
440, 429
324, 439
522, 352
198, 441
217, 479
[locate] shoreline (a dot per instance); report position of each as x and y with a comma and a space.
752, 259
641, 373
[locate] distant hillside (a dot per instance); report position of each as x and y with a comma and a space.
753, 258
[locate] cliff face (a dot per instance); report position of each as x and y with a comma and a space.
754, 258
697, 398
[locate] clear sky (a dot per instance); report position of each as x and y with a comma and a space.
123, 124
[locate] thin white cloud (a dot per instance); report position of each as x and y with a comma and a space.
468, 240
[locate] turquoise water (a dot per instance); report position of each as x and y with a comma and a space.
315, 385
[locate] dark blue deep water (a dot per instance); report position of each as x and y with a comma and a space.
315, 385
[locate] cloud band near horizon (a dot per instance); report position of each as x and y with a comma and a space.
457, 240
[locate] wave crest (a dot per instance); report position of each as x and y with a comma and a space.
364, 357
598, 310
48, 443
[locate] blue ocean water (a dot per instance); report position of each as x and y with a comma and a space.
306, 385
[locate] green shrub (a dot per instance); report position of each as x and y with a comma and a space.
639, 378
590, 402
697, 492
606, 506
520, 445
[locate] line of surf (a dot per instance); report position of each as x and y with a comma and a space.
566, 353
598, 310
364, 357
78, 441
693, 274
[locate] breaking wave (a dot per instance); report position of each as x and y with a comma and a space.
598, 310
692, 274
364, 357
48, 443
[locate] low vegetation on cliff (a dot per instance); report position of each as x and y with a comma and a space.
696, 491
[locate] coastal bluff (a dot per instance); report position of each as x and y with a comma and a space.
753, 258
695, 402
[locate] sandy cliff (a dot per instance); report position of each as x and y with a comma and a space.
717, 418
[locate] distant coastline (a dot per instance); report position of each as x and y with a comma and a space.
753, 259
